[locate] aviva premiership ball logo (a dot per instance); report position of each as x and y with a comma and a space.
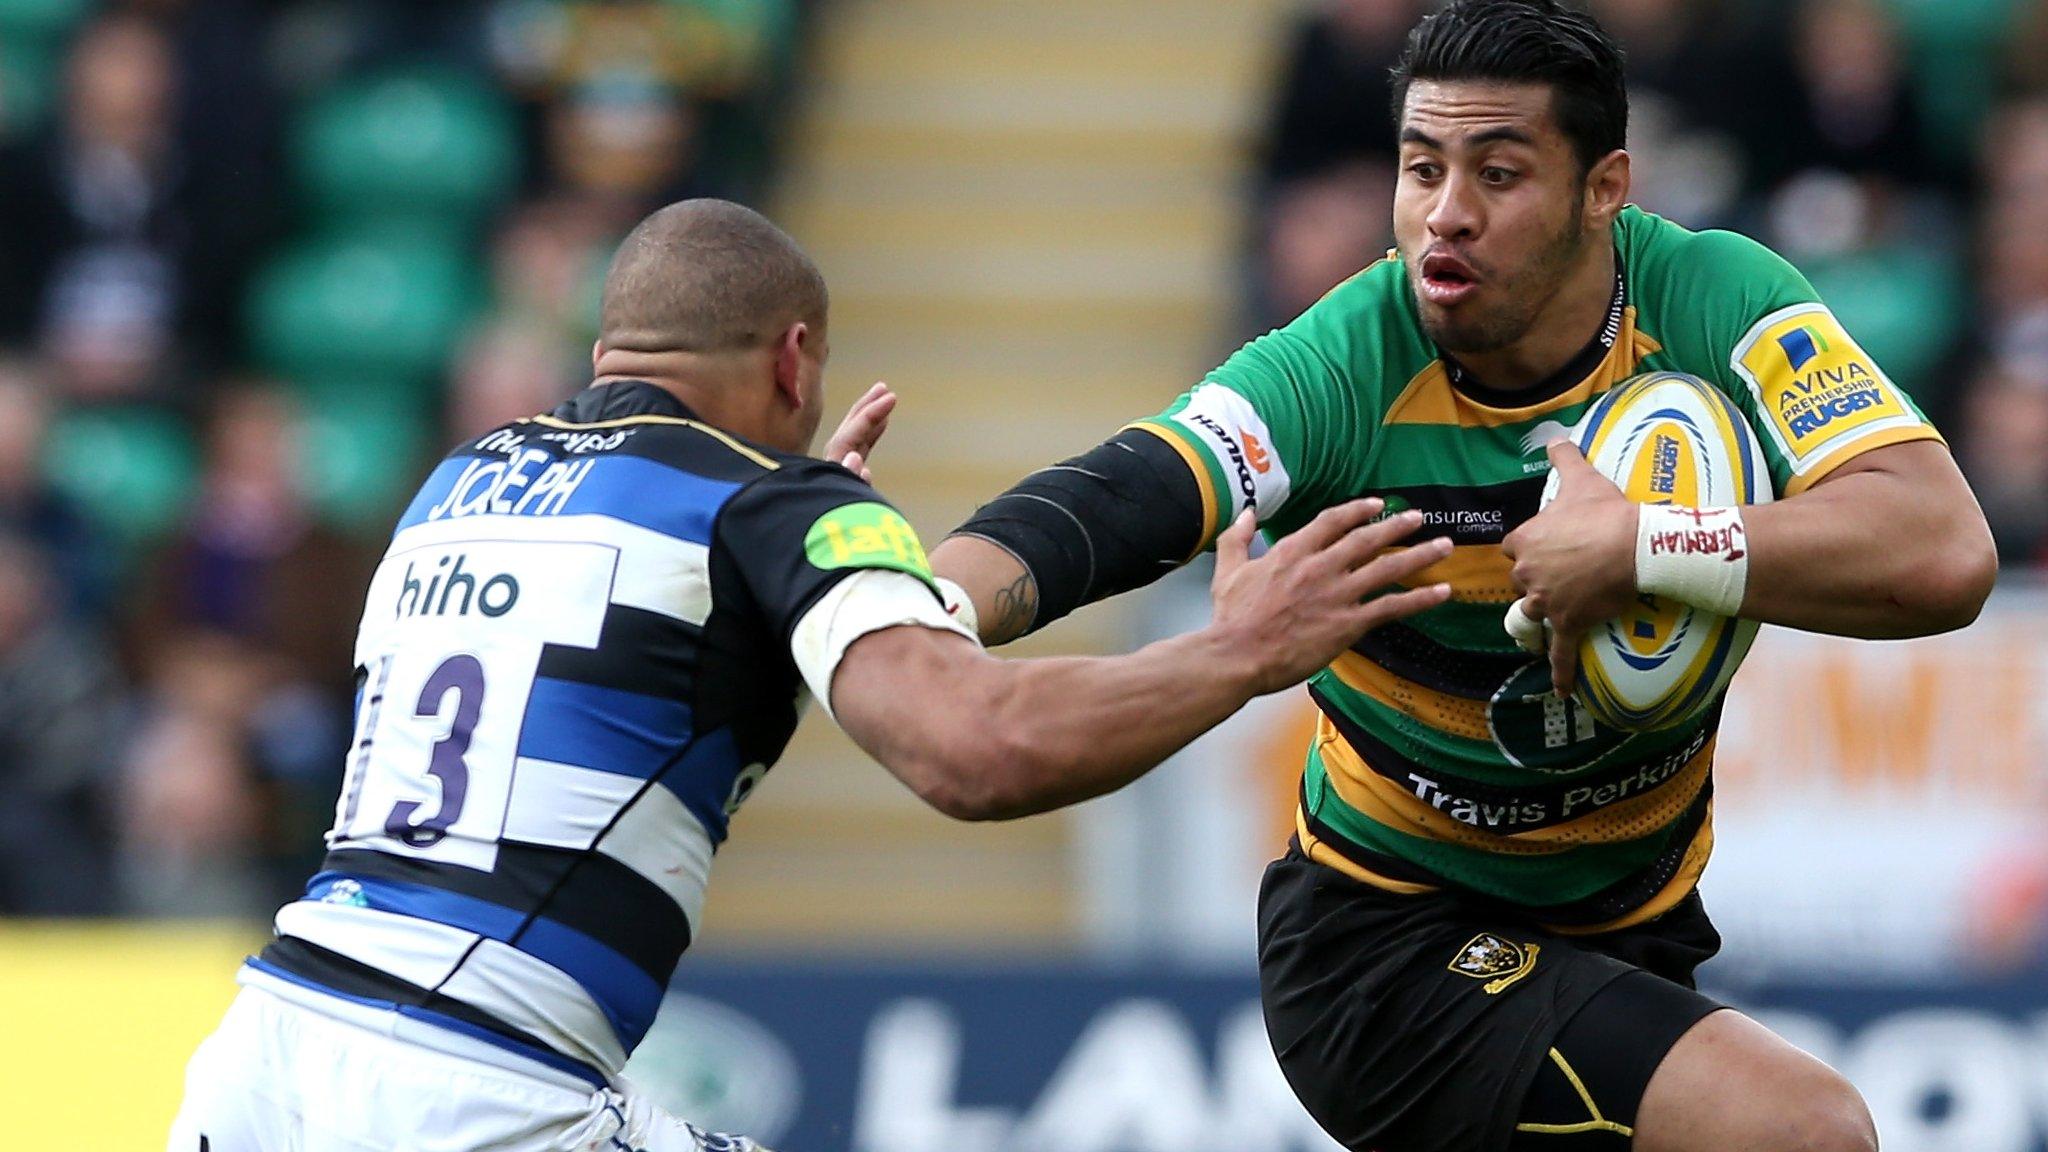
1497, 961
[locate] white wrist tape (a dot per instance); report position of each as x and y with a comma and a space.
1698, 556
959, 605
867, 601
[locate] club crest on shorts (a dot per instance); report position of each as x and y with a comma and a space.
1498, 962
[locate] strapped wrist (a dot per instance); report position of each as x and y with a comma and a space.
1698, 556
959, 605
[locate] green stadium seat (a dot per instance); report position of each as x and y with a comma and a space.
1902, 304
376, 305
46, 19
131, 470
380, 391
1955, 48
32, 41
28, 82
434, 145
364, 459
1949, 22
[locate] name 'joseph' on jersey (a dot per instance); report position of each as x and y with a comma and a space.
1442, 756
574, 666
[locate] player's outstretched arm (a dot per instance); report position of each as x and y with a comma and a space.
981, 738
1114, 518
1000, 592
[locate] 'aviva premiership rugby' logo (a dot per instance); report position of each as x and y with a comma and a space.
1802, 344
1816, 391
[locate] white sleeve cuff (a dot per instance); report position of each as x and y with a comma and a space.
867, 601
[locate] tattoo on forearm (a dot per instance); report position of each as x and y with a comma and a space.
1016, 607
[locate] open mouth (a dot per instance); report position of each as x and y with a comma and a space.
1447, 279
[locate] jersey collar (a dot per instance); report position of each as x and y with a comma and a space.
1559, 382
619, 400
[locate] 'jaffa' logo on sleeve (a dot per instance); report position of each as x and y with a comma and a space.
1816, 390
866, 534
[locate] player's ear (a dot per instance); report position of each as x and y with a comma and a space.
1607, 188
789, 358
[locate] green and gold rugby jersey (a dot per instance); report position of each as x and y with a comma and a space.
1443, 758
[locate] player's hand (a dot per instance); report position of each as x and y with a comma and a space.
1575, 561
1303, 603
858, 434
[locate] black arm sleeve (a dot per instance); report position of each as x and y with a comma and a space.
1114, 518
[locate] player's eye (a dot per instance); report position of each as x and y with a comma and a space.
1425, 170
1496, 175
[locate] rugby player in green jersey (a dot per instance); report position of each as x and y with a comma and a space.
1484, 934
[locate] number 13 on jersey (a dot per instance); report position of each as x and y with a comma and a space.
450, 645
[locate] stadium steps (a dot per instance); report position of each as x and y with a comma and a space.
1028, 214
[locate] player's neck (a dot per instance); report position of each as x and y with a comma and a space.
720, 390
1573, 317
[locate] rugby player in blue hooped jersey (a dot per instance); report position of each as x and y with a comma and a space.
589, 639
1483, 936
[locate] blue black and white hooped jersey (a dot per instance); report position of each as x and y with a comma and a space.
574, 665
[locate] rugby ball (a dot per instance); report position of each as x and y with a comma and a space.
1666, 438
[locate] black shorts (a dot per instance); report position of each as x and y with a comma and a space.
1420, 1023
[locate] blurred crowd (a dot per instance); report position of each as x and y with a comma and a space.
1895, 150
266, 258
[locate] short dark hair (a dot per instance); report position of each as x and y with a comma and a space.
707, 276
1527, 42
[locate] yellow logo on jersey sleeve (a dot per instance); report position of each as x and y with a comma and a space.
1816, 390
866, 535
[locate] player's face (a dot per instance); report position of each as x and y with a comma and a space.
1489, 209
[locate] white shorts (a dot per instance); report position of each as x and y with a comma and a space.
280, 1075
